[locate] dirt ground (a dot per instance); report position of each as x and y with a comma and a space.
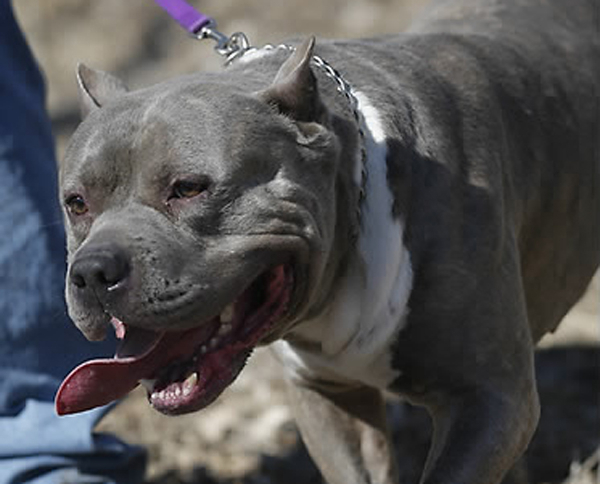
248, 436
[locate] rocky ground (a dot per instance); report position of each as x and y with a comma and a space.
248, 436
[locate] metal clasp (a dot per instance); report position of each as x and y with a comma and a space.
229, 47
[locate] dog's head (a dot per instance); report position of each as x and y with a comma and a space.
200, 216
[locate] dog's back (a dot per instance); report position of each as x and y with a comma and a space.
510, 80
545, 63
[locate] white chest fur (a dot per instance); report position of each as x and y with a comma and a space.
354, 334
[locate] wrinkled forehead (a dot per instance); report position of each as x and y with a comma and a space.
154, 130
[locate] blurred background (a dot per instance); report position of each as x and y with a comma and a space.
248, 436
137, 41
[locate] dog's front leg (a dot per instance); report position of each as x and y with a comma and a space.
478, 437
346, 433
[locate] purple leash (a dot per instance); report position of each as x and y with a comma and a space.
204, 27
185, 15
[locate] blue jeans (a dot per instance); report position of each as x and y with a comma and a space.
38, 343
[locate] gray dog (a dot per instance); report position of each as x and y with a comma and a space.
417, 235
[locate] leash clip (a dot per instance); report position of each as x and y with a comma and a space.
229, 47
202, 27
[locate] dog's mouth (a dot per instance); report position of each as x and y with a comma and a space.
183, 371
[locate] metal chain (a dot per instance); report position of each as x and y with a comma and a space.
344, 88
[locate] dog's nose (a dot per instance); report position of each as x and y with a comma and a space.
100, 269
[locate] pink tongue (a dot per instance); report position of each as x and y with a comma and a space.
98, 382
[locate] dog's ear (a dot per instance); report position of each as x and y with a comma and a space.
96, 88
294, 90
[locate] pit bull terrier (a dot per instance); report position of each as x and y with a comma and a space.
417, 235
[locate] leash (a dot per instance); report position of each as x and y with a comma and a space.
201, 26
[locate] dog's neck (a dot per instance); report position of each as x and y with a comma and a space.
367, 303
347, 121
353, 314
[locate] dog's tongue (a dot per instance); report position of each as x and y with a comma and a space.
98, 382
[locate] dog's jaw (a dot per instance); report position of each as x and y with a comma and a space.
183, 370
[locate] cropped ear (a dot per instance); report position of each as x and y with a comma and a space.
96, 88
294, 90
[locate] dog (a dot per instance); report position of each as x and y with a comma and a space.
410, 216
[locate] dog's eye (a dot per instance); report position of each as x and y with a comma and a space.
76, 205
187, 189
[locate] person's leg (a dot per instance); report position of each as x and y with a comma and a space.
38, 344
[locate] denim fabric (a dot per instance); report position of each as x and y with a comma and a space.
38, 343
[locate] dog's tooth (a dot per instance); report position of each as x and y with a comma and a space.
190, 383
192, 379
227, 314
177, 391
213, 342
224, 329
203, 349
